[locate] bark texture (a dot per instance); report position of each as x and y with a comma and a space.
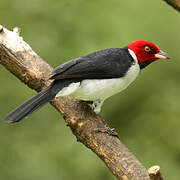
174, 3
18, 57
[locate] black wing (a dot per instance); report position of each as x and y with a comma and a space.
104, 64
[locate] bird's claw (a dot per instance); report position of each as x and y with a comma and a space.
108, 130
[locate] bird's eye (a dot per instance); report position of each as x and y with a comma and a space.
147, 49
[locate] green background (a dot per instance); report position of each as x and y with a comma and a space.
146, 115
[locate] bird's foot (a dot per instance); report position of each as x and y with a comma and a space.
106, 129
96, 106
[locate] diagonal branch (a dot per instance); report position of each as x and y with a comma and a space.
174, 3
18, 57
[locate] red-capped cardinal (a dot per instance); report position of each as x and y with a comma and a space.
94, 77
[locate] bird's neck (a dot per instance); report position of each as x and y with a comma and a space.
142, 65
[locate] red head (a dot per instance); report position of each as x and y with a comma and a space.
146, 51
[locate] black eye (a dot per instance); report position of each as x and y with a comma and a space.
147, 49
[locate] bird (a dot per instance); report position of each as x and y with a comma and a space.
93, 77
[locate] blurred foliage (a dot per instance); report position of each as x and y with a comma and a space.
146, 115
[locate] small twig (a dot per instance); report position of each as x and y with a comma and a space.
17, 30
154, 173
174, 3
1, 28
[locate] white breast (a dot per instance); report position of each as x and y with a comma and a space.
102, 89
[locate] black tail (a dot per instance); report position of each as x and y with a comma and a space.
30, 106
36, 102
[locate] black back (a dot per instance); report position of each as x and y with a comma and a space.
104, 64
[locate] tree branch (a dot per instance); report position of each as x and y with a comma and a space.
18, 57
174, 3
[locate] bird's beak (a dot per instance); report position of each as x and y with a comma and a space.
162, 55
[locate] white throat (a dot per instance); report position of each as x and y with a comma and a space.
133, 54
